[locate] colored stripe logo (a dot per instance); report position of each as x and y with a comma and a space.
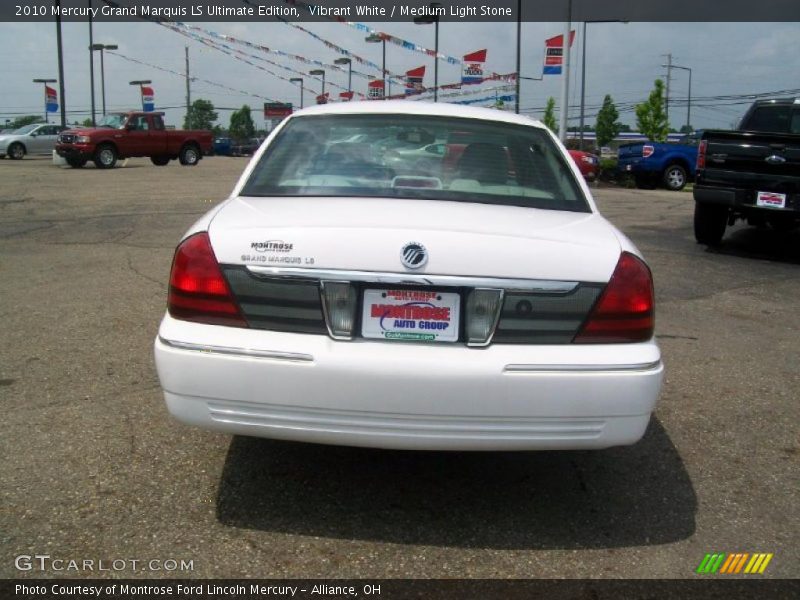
734, 563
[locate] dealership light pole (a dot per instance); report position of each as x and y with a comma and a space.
300, 81
322, 73
349, 63
140, 83
101, 48
375, 38
689, 105
583, 74
562, 117
62, 100
427, 20
45, 82
91, 65
519, 54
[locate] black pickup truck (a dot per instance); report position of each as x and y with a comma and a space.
752, 173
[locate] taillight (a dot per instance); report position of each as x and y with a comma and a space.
648, 151
197, 289
701, 154
625, 311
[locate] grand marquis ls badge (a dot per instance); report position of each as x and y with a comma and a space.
413, 255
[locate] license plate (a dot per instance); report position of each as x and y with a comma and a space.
423, 316
771, 200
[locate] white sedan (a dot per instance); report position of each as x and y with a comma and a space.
477, 303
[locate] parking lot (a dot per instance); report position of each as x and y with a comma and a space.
93, 467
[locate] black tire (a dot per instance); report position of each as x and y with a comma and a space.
105, 156
644, 182
76, 163
189, 155
159, 161
674, 177
16, 151
710, 222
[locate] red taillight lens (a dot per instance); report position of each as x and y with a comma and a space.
197, 289
701, 154
625, 311
648, 151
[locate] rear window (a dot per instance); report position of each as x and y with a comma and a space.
412, 156
770, 119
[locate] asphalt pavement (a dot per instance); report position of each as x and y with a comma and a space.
93, 467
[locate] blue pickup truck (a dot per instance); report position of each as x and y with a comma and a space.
654, 163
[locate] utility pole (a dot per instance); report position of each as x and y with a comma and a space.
669, 79
188, 92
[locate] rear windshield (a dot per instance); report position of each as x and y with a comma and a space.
773, 119
411, 156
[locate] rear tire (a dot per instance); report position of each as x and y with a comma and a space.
16, 151
105, 157
189, 155
674, 178
710, 222
159, 161
76, 163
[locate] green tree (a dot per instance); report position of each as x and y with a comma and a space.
242, 126
549, 118
22, 121
201, 115
608, 127
651, 118
687, 129
87, 122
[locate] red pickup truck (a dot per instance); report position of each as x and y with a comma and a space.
123, 135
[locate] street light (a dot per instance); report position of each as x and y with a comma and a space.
689, 105
427, 20
319, 72
349, 63
140, 83
300, 81
583, 74
375, 38
45, 82
102, 47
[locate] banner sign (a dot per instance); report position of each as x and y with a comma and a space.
375, 89
414, 79
50, 99
473, 67
148, 99
554, 53
323, 98
277, 110
345, 96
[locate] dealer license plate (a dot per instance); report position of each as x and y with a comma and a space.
424, 316
771, 200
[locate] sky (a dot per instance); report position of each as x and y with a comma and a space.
623, 60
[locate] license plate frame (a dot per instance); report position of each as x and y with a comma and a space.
397, 314
770, 200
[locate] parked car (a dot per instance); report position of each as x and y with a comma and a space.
38, 138
245, 147
332, 300
752, 173
222, 146
652, 163
124, 135
588, 163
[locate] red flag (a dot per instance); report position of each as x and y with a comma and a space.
346, 95
477, 56
559, 40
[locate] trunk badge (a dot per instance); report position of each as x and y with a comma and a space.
413, 255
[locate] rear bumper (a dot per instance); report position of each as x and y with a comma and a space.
741, 199
407, 396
